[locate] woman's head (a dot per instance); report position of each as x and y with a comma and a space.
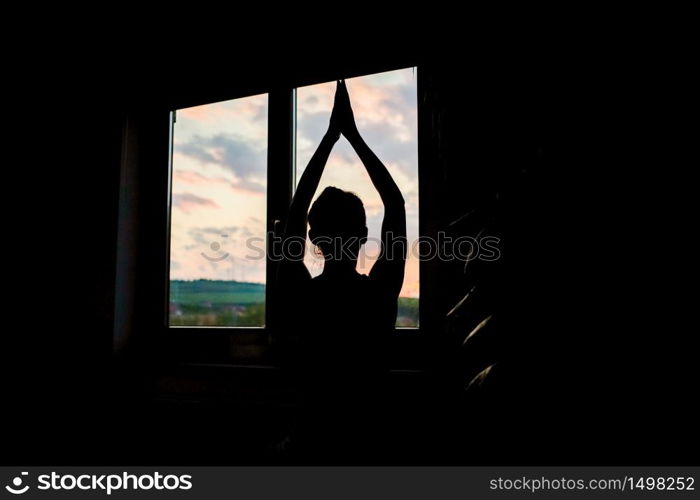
338, 224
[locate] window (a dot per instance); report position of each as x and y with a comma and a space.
385, 110
223, 196
218, 212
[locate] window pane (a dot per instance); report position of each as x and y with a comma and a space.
385, 111
217, 236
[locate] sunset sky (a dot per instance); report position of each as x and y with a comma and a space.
219, 173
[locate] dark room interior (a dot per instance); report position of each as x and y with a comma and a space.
565, 350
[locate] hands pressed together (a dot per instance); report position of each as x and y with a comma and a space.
342, 118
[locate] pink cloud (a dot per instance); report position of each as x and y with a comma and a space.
246, 108
186, 202
243, 186
197, 113
369, 101
192, 177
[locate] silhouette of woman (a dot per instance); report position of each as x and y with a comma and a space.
341, 320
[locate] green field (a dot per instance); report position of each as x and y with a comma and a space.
408, 312
234, 303
216, 292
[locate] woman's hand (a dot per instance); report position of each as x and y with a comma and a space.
342, 116
335, 127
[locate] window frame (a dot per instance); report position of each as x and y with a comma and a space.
219, 345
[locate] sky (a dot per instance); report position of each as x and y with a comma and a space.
219, 174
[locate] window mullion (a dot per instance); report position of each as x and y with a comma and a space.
280, 164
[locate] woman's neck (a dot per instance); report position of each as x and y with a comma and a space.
339, 269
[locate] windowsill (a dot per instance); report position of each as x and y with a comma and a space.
251, 347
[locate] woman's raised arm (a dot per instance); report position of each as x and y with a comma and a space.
292, 267
391, 263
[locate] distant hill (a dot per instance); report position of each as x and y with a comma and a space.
195, 302
216, 292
